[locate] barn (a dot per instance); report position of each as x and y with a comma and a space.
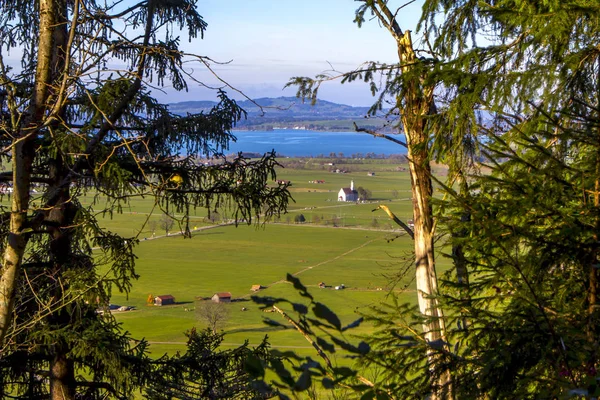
222, 297
164, 300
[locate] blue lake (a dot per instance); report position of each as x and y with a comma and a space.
292, 142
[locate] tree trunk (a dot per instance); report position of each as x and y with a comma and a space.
593, 307
15, 248
62, 379
60, 222
426, 277
22, 160
415, 105
60, 217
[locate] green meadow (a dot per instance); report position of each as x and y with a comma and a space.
347, 243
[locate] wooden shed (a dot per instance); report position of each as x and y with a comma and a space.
164, 300
221, 297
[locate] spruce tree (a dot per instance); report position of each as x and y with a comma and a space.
531, 239
523, 231
78, 119
205, 372
531, 246
516, 118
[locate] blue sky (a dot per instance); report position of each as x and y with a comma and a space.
268, 41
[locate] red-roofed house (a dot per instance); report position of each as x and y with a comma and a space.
222, 297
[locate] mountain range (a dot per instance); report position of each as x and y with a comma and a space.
288, 112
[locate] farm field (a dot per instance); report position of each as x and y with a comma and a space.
227, 259
341, 243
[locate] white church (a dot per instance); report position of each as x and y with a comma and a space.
348, 194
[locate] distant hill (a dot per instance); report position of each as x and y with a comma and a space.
287, 112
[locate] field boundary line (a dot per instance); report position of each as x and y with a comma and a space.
352, 250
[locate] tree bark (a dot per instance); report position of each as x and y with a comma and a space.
22, 162
62, 379
415, 104
434, 328
60, 220
61, 217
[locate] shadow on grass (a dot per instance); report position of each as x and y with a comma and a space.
202, 233
262, 329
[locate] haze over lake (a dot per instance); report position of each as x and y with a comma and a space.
306, 143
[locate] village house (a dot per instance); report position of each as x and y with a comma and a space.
222, 297
164, 300
256, 288
348, 194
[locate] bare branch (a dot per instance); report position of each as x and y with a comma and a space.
378, 134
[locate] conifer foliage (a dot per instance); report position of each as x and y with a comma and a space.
531, 248
525, 324
77, 119
514, 110
204, 372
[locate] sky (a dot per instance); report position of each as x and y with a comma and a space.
268, 41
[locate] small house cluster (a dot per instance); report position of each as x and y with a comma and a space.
219, 297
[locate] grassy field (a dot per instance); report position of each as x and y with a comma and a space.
233, 259
344, 246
